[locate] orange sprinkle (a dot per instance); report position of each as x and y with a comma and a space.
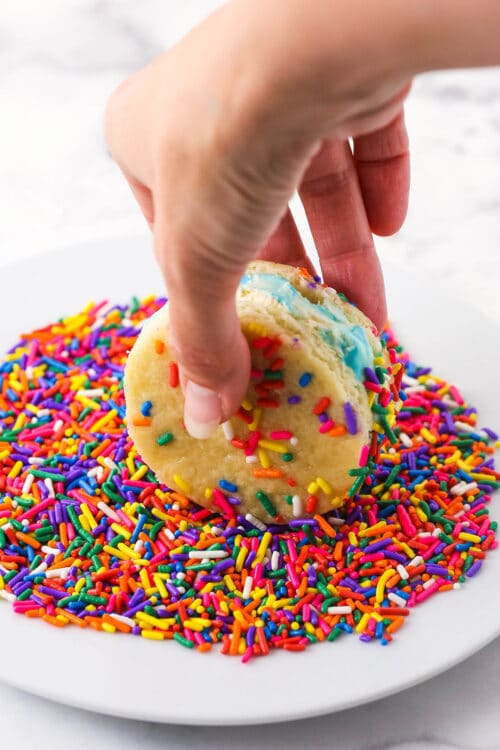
268, 473
159, 346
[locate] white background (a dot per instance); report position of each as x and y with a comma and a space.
59, 60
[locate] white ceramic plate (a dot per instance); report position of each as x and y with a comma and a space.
139, 679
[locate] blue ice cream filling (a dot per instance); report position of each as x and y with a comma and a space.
347, 339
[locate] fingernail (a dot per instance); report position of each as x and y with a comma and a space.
202, 410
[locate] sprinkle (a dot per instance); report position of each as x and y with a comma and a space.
350, 418
88, 537
182, 484
165, 439
173, 374
227, 428
305, 379
146, 408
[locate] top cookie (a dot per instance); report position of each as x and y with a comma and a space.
321, 380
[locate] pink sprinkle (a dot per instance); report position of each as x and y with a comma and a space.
405, 521
456, 395
363, 456
328, 425
281, 435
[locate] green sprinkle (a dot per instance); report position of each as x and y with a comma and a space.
165, 439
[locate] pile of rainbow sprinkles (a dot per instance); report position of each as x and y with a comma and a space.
89, 538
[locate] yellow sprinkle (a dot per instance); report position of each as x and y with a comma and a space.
379, 361
182, 484
104, 420
360, 627
247, 405
312, 487
229, 583
139, 473
263, 458
380, 590
256, 419
240, 559
144, 579
467, 537
353, 539
130, 464
371, 398
427, 434
20, 421
107, 627
121, 530
196, 623
2, 583
84, 522
238, 616
115, 552
153, 635
261, 549
309, 627
208, 492
131, 553
88, 515
323, 485
163, 623
79, 585
207, 588
402, 545
274, 445
160, 586
87, 402
16, 470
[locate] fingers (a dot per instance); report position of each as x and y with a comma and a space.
332, 199
143, 196
285, 245
382, 163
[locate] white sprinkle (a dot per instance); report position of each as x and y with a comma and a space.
294, 440
457, 585
175, 506
227, 429
427, 584
91, 392
39, 569
108, 511
43, 413
138, 546
97, 472
180, 576
109, 463
339, 610
436, 532
169, 534
251, 459
49, 550
8, 597
405, 439
255, 522
34, 461
247, 588
6, 526
123, 619
48, 483
395, 599
450, 402
403, 573
466, 427
417, 560
335, 521
416, 389
25, 522
207, 554
27, 484
29, 372
297, 506
181, 590
275, 560
58, 573
411, 381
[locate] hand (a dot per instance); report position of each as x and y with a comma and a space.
214, 137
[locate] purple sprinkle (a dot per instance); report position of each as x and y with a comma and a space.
350, 418
293, 399
474, 568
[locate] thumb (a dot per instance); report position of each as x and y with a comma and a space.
205, 336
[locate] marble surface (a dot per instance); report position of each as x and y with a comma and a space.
58, 187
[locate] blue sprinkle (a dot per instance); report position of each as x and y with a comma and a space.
146, 409
305, 379
228, 486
